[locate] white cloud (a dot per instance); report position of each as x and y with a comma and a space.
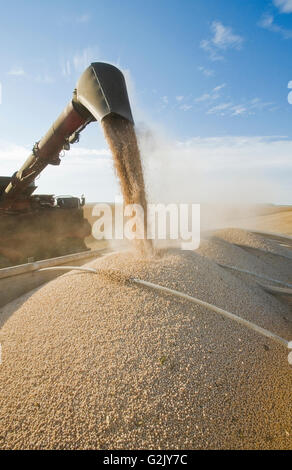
230, 168
211, 50
246, 108
81, 174
66, 68
217, 169
39, 77
13, 156
185, 107
17, 71
75, 19
228, 108
223, 38
204, 97
82, 170
257, 103
82, 59
267, 22
206, 72
212, 95
285, 6
79, 61
44, 78
219, 108
10, 152
245, 152
85, 18
238, 109
219, 87
82, 151
181, 102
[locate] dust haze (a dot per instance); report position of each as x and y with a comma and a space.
216, 173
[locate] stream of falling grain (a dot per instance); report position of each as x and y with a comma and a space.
121, 137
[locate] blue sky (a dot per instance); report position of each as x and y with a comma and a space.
208, 78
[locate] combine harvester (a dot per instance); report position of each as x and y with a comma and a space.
40, 226
27, 220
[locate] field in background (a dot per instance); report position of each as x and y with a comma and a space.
263, 218
266, 218
276, 219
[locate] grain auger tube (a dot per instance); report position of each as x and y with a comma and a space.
100, 91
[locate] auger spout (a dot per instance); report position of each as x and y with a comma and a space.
100, 91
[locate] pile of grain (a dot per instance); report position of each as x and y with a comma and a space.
91, 361
121, 137
224, 252
252, 240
